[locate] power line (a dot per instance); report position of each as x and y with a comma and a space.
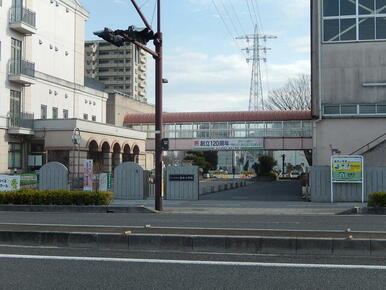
257, 14
230, 18
250, 13
222, 19
237, 17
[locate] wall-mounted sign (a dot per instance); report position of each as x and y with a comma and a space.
347, 169
28, 178
181, 177
87, 174
228, 144
9, 183
105, 181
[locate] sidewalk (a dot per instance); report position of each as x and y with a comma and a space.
245, 207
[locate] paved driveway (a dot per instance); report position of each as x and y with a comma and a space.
286, 190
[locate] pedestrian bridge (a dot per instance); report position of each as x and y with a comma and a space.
232, 131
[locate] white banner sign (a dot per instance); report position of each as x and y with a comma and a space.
9, 183
228, 144
87, 174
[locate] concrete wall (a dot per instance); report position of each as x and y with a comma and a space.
347, 135
118, 106
376, 156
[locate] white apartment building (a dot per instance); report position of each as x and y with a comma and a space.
120, 69
42, 93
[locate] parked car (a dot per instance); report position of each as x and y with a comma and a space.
294, 174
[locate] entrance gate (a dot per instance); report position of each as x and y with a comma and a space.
53, 175
128, 181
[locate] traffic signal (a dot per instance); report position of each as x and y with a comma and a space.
108, 35
142, 35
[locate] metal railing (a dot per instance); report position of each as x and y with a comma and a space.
21, 120
22, 67
23, 15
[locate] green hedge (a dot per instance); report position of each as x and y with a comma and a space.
55, 197
377, 199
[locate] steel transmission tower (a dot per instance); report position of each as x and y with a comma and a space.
256, 97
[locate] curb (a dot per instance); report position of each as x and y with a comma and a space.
74, 208
199, 243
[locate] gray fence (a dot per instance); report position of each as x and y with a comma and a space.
128, 181
53, 175
320, 185
182, 183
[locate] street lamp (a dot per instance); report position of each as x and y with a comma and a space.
140, 37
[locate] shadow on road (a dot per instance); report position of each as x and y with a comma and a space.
286, 190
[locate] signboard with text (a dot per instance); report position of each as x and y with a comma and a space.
347, 169
228, 144
9, 183
87, 174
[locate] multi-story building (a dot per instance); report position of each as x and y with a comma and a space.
349, 79
120, 69
43, 97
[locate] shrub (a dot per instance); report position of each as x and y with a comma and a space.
55, 197
377, 199
266, 164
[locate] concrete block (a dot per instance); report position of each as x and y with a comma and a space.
144, 242
176, 243
278, 245
378, 248
81, 240
242, 245
209, 244
310, 246
113, 241
26, 238
351, 247
54, 239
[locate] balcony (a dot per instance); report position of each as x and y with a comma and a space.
23, 20
21, 72
20, 124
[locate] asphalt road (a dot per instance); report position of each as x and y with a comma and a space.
284, 190
39, 268
296, 222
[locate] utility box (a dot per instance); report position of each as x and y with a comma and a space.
182, 183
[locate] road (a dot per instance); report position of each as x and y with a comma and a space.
45, 268
295, 222
284, 190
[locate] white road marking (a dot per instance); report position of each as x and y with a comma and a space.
187, 262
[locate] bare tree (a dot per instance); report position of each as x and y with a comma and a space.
295, 95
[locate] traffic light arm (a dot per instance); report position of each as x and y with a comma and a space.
123, 34
141, 15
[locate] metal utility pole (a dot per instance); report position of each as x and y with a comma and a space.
140, 37
256, 97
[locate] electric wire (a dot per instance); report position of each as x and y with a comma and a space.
230, 18
237, 17
155, 7
250, 14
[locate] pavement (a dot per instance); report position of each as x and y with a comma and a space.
55, 268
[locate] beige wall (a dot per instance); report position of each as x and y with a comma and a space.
347, 135
118, 106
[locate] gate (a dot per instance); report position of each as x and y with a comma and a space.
182, 183
53, 175
128, 181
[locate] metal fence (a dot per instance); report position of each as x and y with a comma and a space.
23, 15
22, 67
320, 185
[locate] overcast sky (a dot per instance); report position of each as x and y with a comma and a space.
205, 66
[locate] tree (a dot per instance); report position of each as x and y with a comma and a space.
266, 164
295, 95
207, 160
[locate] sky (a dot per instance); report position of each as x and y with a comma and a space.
204, 64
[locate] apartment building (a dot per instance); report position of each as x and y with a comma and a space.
43, 97
120, 69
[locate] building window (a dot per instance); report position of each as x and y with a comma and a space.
43, 112
85, 116
54, 113
14, 155
93, 118
65, 114
354, 20
15, 108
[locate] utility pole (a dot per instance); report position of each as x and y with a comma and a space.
140, 37
256, 97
